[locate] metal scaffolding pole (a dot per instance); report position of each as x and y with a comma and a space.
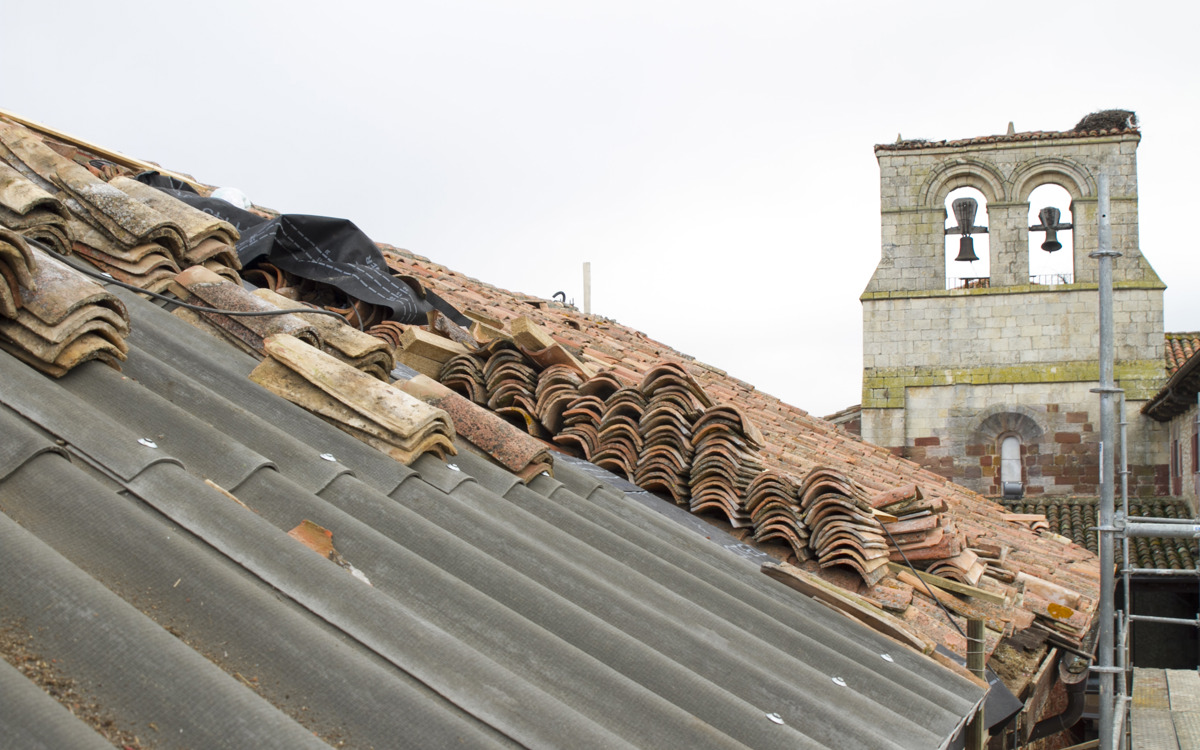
1123, 624
1105, 254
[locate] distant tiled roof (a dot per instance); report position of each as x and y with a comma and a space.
1034, 135
1178, 394
1075, 519
1180, 348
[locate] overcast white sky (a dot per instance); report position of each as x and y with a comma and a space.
712, 160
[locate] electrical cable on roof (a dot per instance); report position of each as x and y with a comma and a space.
107, 279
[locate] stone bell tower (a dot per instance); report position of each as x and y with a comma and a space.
987, 382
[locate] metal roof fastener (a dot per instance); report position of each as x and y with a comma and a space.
148, 442
453, 467
839, 681
328, 457
887, 657
775, 718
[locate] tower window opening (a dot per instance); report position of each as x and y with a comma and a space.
1010, 459
967, 248
1051, 246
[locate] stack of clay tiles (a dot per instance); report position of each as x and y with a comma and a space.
508, 446
32, 212
203, 288
210, 242
619, 439
379, 415
843, 530
580, 419
725, 463
51, 316
361, 351
772, 501
674, 401
123, 237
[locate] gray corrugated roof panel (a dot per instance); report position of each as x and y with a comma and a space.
32, 720
496, 615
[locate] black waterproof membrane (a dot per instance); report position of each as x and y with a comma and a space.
329, 250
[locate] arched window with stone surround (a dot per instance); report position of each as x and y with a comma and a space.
961, 271
1010, 459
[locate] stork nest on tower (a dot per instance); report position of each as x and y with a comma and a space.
1108, 119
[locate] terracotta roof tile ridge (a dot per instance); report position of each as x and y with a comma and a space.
1031, 135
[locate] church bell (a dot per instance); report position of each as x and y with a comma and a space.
964, 213
1049, 216
966, 249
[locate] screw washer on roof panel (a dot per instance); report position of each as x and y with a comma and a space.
328, 457
839, 681
775, 718
887, 657
148, 442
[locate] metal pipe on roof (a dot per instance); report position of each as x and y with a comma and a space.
1195, 623
1162, 572
1136, 528
976, 660
1076, 692
1162, 519
587, 288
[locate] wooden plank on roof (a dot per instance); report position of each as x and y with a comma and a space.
846, 603
949, 585
115, 157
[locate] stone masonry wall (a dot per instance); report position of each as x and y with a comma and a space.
1183, 428
956, 432
1028, 333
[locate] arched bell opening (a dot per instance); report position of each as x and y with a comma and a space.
968, 251
1051, 236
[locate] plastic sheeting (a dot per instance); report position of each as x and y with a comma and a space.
321, 248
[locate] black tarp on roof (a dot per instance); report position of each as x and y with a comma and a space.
321, 248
